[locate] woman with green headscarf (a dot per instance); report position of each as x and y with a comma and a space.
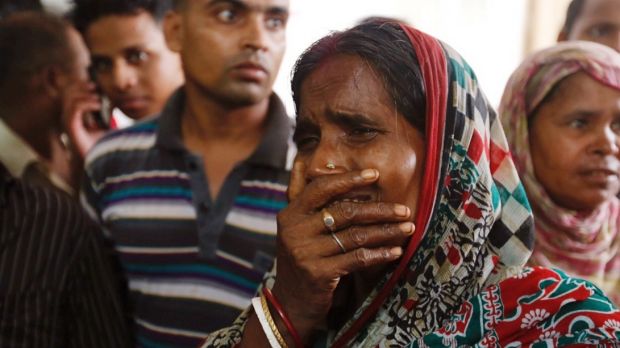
408, 225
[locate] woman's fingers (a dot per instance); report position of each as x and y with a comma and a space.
324, 188
345, 214
356, 260
367, 236
297, 182
355, 237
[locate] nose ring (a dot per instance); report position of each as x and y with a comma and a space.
330, 166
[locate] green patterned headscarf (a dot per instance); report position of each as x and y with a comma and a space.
474, 226
474, 223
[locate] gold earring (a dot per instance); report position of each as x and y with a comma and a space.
330, 166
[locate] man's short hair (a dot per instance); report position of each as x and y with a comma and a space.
85, 12
178, 4
574, 11
29, 42
11, 6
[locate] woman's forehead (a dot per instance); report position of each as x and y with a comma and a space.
343, 80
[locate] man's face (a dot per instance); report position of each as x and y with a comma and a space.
75, 73
231, 49
133, 65
81, 59
599, 21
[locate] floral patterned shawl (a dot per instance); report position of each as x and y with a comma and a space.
476, 222
586, 246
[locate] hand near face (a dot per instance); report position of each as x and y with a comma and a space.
79, 102
310, 261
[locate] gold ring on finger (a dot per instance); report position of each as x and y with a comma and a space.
328, 220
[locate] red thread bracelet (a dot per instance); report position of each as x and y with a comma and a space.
289, 326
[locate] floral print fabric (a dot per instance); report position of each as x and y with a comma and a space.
539, 307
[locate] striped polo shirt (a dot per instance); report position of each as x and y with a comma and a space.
192, 263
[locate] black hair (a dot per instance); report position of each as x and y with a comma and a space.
178, 4
29, 42
386, 47
8, 7
572, 13
381, 19
85, 12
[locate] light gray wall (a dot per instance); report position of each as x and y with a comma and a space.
56, 6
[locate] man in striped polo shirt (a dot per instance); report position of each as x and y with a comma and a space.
190, 198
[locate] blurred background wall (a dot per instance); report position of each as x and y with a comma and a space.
492, 35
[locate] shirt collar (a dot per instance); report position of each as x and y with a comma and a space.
272, 150
21, 154
169, 131
5, 181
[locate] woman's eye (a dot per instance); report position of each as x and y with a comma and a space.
363, 133
577, 123
615, 126
600, 31
227, 16
306, 143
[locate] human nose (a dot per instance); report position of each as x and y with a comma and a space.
124, 76
327, 159
255, 36
606, 142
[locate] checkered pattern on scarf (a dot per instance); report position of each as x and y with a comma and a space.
481, 229
479, 226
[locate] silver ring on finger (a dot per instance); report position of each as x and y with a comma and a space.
335, 237
328, 220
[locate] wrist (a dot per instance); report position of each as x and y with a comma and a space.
299, 309
296, 327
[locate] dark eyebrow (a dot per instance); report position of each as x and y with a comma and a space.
277, 10
584, 113
350, 120
234, 3
605, 23
133, 49
304, 125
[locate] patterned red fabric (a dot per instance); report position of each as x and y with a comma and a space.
540, 306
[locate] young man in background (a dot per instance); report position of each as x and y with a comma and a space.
191, 197
130, 60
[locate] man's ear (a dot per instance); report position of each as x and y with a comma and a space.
51, 80
173, 31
